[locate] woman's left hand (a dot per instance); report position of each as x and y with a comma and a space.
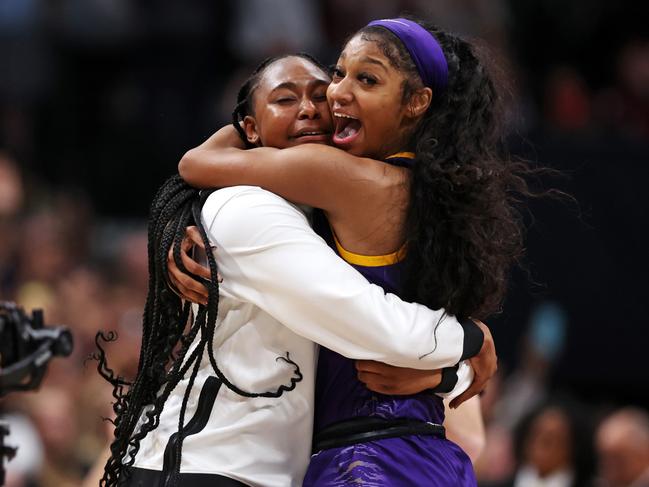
185, 286
388, 379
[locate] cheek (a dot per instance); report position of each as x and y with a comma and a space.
386, 118
325, 113
275, 127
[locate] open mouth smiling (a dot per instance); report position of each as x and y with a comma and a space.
346, 128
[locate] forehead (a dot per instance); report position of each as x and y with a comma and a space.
291, 69
359, 49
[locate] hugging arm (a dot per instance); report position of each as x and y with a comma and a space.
310, 174
379, 377
268, 255
316, 175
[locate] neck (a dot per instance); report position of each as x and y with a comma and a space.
403, 143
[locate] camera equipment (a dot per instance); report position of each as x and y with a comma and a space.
26, 346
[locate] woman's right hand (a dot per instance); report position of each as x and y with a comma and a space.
388, 379
484, 366
185, 286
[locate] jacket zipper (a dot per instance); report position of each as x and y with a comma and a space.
195, 425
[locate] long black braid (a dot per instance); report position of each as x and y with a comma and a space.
245, 101
168, 331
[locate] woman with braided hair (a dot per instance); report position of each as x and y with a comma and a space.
242, 370
436, 222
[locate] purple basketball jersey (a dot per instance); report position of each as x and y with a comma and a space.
410, 460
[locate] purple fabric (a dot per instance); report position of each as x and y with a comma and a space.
424, 50
394, 462
405, 461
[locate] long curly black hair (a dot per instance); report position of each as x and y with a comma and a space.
169, 328
464, 230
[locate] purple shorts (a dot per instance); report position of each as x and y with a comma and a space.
393, 462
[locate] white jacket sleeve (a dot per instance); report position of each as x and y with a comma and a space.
268, 255
455, 380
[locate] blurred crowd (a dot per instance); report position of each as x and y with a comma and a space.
98, 101
89, 275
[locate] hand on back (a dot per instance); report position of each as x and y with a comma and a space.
388, 379
186, 286
484, 366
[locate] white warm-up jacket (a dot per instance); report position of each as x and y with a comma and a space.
284, 291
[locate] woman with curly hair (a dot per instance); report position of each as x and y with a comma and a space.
420, 200
211, 403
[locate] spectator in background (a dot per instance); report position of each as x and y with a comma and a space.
11, 187
26, 71
625, 106
11, 204
276, 26
508, 400
541, 348
567, 100
622, 444
53, 256
56, 417
554, 447
28, 462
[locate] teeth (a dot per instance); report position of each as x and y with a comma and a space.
310, 133
342, 115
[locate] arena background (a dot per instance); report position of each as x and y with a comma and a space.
100, 99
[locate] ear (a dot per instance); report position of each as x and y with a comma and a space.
419, 102
250, 128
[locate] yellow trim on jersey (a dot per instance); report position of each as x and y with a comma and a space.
370, 260
405, 155
375, 260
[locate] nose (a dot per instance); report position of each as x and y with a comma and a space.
339, 94
308, 109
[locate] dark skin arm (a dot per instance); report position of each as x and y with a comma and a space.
388, 379
378, 377
311, 174
346, 187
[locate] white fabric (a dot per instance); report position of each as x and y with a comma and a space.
464, 380
284, 289
528, 476
29, 457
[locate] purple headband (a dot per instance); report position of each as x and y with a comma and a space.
424, 50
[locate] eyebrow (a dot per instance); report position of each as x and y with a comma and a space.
290, 85
372, 60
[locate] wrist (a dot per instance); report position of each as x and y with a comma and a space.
473, 339
448, 380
